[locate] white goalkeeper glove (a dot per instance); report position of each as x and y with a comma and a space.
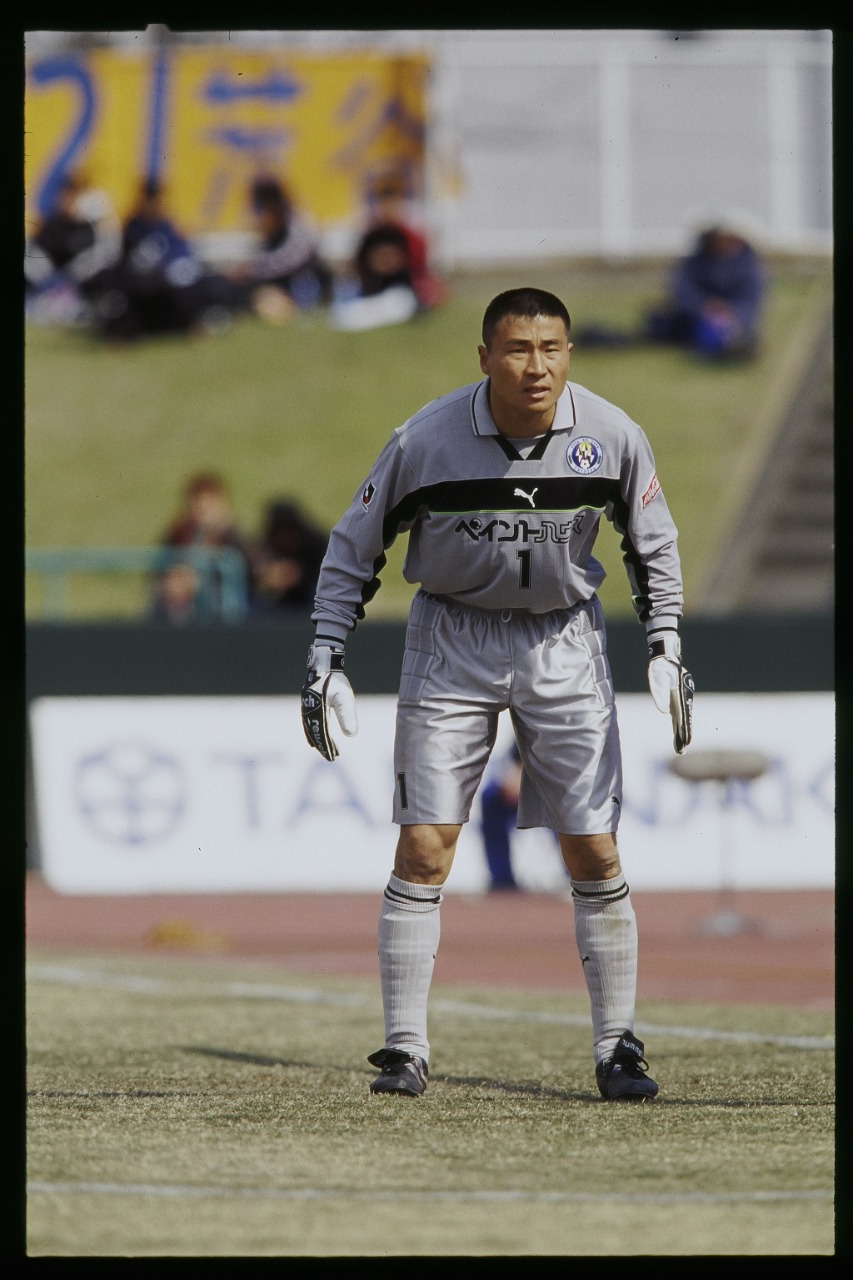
671, 684
327, 688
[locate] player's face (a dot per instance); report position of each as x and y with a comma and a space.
527, 364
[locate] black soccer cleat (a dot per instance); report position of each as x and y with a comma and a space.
623, 1078
399, 1073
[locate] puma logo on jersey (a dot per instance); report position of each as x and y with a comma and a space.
519, 493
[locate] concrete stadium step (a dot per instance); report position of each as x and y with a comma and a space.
781, 555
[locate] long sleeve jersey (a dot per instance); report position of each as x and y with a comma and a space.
505, 524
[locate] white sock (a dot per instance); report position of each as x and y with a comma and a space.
409, 930
606, 936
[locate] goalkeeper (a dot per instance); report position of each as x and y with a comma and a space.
501, 486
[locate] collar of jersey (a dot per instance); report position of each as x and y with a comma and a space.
483, 423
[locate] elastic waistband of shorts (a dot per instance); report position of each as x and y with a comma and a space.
505, 614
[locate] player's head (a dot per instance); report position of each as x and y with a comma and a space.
529, 303
525, 355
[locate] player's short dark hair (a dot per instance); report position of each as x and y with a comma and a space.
522, 302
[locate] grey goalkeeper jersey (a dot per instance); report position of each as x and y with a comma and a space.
503, 524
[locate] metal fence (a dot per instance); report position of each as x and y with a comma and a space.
221, 593
622, 143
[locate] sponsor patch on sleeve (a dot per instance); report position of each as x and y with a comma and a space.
652, 491
367, 495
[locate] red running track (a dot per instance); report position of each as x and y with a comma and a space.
783, 954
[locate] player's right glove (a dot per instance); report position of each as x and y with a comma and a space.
671, 684
327, 688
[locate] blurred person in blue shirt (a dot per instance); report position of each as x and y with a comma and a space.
160, 284
498, 812
715, 297
183, 591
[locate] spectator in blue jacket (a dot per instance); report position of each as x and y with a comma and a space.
715, 297
498, 811
160, 284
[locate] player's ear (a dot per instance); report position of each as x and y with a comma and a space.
484, 358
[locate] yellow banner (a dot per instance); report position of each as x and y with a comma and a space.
207, 120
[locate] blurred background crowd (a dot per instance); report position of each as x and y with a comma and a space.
278, 563
125, 279
185, 186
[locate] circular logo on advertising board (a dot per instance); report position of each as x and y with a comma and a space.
129, 793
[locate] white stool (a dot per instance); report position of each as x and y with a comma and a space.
723, 768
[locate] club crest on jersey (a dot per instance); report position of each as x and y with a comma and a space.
367, 495
584, 455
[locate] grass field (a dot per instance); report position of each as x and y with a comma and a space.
197, 1107
302, 411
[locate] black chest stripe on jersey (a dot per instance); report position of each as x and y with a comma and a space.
488, 497
554, 494
495, 496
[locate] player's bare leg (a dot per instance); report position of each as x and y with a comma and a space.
425, 853
408, 933
606, 936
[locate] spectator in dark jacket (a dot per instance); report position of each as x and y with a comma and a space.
715, 297
288, 559
160, 284
286, 270
390, 279
71, 247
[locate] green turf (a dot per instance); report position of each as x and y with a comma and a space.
303, 410
195, 1107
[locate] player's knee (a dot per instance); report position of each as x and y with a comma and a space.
591, 857
425, 853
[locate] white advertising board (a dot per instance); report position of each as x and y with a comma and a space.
159, 795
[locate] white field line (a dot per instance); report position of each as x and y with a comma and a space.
422, 1195
77, 976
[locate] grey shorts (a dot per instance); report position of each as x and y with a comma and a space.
462, 667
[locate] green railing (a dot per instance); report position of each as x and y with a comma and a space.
221, 595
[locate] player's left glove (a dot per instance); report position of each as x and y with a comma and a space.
327, 688
671, 684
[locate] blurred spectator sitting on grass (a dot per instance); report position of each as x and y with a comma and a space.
72, 245
159, 285
390, 280
286, 271
715, 297
287, 559
389, 213
205, 519
498, 813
